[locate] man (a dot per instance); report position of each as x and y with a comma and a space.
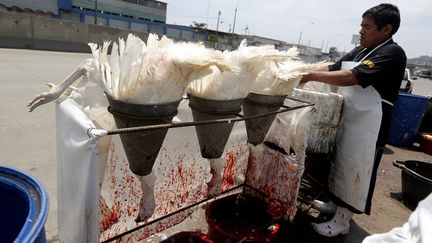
369, 78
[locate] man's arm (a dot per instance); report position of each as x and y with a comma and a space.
339, 78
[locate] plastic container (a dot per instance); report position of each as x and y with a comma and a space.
426, 142
426, 125
188, 236
23, 207
240, 218
416, 180
408, 112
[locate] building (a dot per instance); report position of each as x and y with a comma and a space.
137, 15
41, 7
121, 13
143, 16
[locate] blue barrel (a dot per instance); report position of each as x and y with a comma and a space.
408, 112
23, 207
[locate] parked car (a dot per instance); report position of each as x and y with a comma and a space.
407, 82
424, 73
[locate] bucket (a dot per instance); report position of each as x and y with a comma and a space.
239, 218
426, 124
142, 148
212, 138
188, 236
23, 207
256, 104
408, 112
426, 142
416, 180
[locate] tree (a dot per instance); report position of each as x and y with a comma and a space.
201, 26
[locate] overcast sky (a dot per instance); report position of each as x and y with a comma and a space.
335, 21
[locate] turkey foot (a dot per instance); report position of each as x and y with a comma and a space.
147, 203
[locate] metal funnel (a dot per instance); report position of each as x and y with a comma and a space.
256, 104
142, 148
212, 138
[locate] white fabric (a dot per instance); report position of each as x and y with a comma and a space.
418, 228
324, 119
77, 174
290, 130
355, 143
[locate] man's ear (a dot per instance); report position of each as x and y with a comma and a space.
387, 29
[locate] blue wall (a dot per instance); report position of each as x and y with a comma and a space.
184, 32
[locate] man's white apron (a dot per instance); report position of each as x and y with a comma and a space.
356, 139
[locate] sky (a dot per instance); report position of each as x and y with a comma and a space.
323, 23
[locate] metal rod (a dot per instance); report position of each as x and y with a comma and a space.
198, 123
218, 19
96, 9
235, 15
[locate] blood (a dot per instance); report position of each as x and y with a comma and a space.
228, 179
181, 181
238, 217
110, 219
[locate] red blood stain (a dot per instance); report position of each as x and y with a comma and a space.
275, 229
228, 174
111, 218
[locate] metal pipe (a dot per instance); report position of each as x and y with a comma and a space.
235, 15
217, 25
95, 10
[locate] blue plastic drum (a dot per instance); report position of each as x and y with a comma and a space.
23, 207
408, 112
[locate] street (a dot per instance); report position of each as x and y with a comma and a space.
28, 143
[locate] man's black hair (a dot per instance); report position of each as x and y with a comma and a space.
383, 15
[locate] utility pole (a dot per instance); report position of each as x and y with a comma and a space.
217, 25
235, 15
96, 9
301, 31
208, 10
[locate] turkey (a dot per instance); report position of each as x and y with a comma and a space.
281, 79
250, 60
138, 73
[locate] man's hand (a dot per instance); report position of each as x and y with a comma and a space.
305, 78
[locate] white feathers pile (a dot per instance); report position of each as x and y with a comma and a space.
152, 73
281, 79
250, 61
160, 70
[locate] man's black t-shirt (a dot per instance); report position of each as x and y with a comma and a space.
383, 69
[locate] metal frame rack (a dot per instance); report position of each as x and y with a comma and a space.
237, 189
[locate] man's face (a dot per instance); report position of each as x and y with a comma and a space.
370, 36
